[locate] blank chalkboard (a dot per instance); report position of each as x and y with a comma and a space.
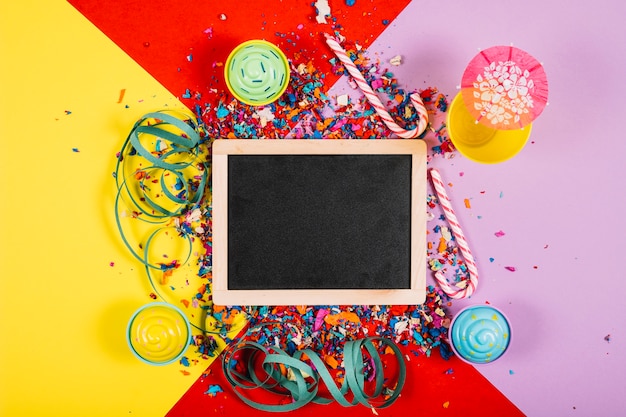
318, 222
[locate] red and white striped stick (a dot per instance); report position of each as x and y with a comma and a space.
371, 96
453, 291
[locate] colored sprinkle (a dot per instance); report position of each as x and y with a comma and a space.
510, 268
499, 233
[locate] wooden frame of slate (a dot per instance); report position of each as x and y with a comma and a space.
319, 222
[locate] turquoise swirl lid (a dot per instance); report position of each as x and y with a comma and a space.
480, 334
257, 72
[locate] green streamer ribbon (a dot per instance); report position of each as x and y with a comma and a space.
166, 180
298, 377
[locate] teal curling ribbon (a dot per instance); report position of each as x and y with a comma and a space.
304, 372
169, 180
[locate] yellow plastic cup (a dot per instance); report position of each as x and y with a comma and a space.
158, 333
481, 143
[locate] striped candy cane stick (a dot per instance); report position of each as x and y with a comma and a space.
454, 292
371, 96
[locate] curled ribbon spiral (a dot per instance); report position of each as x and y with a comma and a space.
249, 365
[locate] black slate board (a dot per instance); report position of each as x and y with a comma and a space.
319, 221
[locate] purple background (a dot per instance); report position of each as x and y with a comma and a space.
560, 202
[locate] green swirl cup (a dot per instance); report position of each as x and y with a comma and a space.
257, 72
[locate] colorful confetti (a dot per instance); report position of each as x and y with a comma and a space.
307, 111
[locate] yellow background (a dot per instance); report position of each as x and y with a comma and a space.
64, 309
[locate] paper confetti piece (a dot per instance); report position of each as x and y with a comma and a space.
396, 60
121, 96
446, 233
213, 390
467, 203
323, 10
607, 338
510, 268
342, 100
446, 404
499, 233
75, 150
442, 245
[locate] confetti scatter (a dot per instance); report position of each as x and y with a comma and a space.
307, 111
325, 329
